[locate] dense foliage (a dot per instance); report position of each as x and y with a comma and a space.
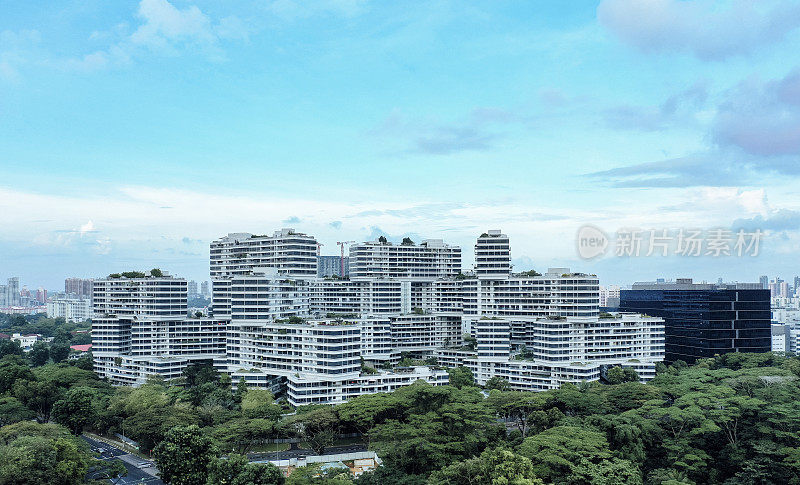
730, 420
67, 333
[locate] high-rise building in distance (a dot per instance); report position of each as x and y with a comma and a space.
10, 295
81, 287
332, 266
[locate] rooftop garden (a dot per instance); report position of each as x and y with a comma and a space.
293, 320
528, 274
155, 272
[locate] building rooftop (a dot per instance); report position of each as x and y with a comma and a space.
687, 284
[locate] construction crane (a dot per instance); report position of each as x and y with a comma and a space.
319, 245
342, 245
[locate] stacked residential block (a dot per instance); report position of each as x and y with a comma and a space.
140, 329
328, 339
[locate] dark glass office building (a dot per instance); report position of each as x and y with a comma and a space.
702, 320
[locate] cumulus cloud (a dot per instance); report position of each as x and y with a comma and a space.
84, 237
86, 228
705, 28
762, 118
722, 200
778, 220
135, 234
163, 28
164, 23
375, 232
753, 131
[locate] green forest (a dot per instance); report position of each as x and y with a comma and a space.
733, 419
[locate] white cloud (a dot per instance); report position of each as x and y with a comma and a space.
88, 227
710, 30
144, 226
164, 24
164, 29
17, 49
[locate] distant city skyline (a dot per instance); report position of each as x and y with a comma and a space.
519, 264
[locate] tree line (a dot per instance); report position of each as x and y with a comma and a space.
733, 419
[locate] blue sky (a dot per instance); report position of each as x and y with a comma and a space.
133, 133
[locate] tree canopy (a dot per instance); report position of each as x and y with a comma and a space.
732, 419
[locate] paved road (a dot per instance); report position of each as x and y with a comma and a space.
135, 474
300, 452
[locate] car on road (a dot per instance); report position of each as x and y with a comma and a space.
144, 464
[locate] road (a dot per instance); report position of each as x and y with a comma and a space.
135, 474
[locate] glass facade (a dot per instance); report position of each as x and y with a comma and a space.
701, 323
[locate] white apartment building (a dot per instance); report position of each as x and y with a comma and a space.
70, 309
793, 338
320, 361
277, 325
360, 297
306, 389
432, 259
493, 255
557, 293
421, 333
377, 345
440, 296
786, 310
544, 353
323, 348
26, 341
290, 253
786, 337
140, 329
780, 337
